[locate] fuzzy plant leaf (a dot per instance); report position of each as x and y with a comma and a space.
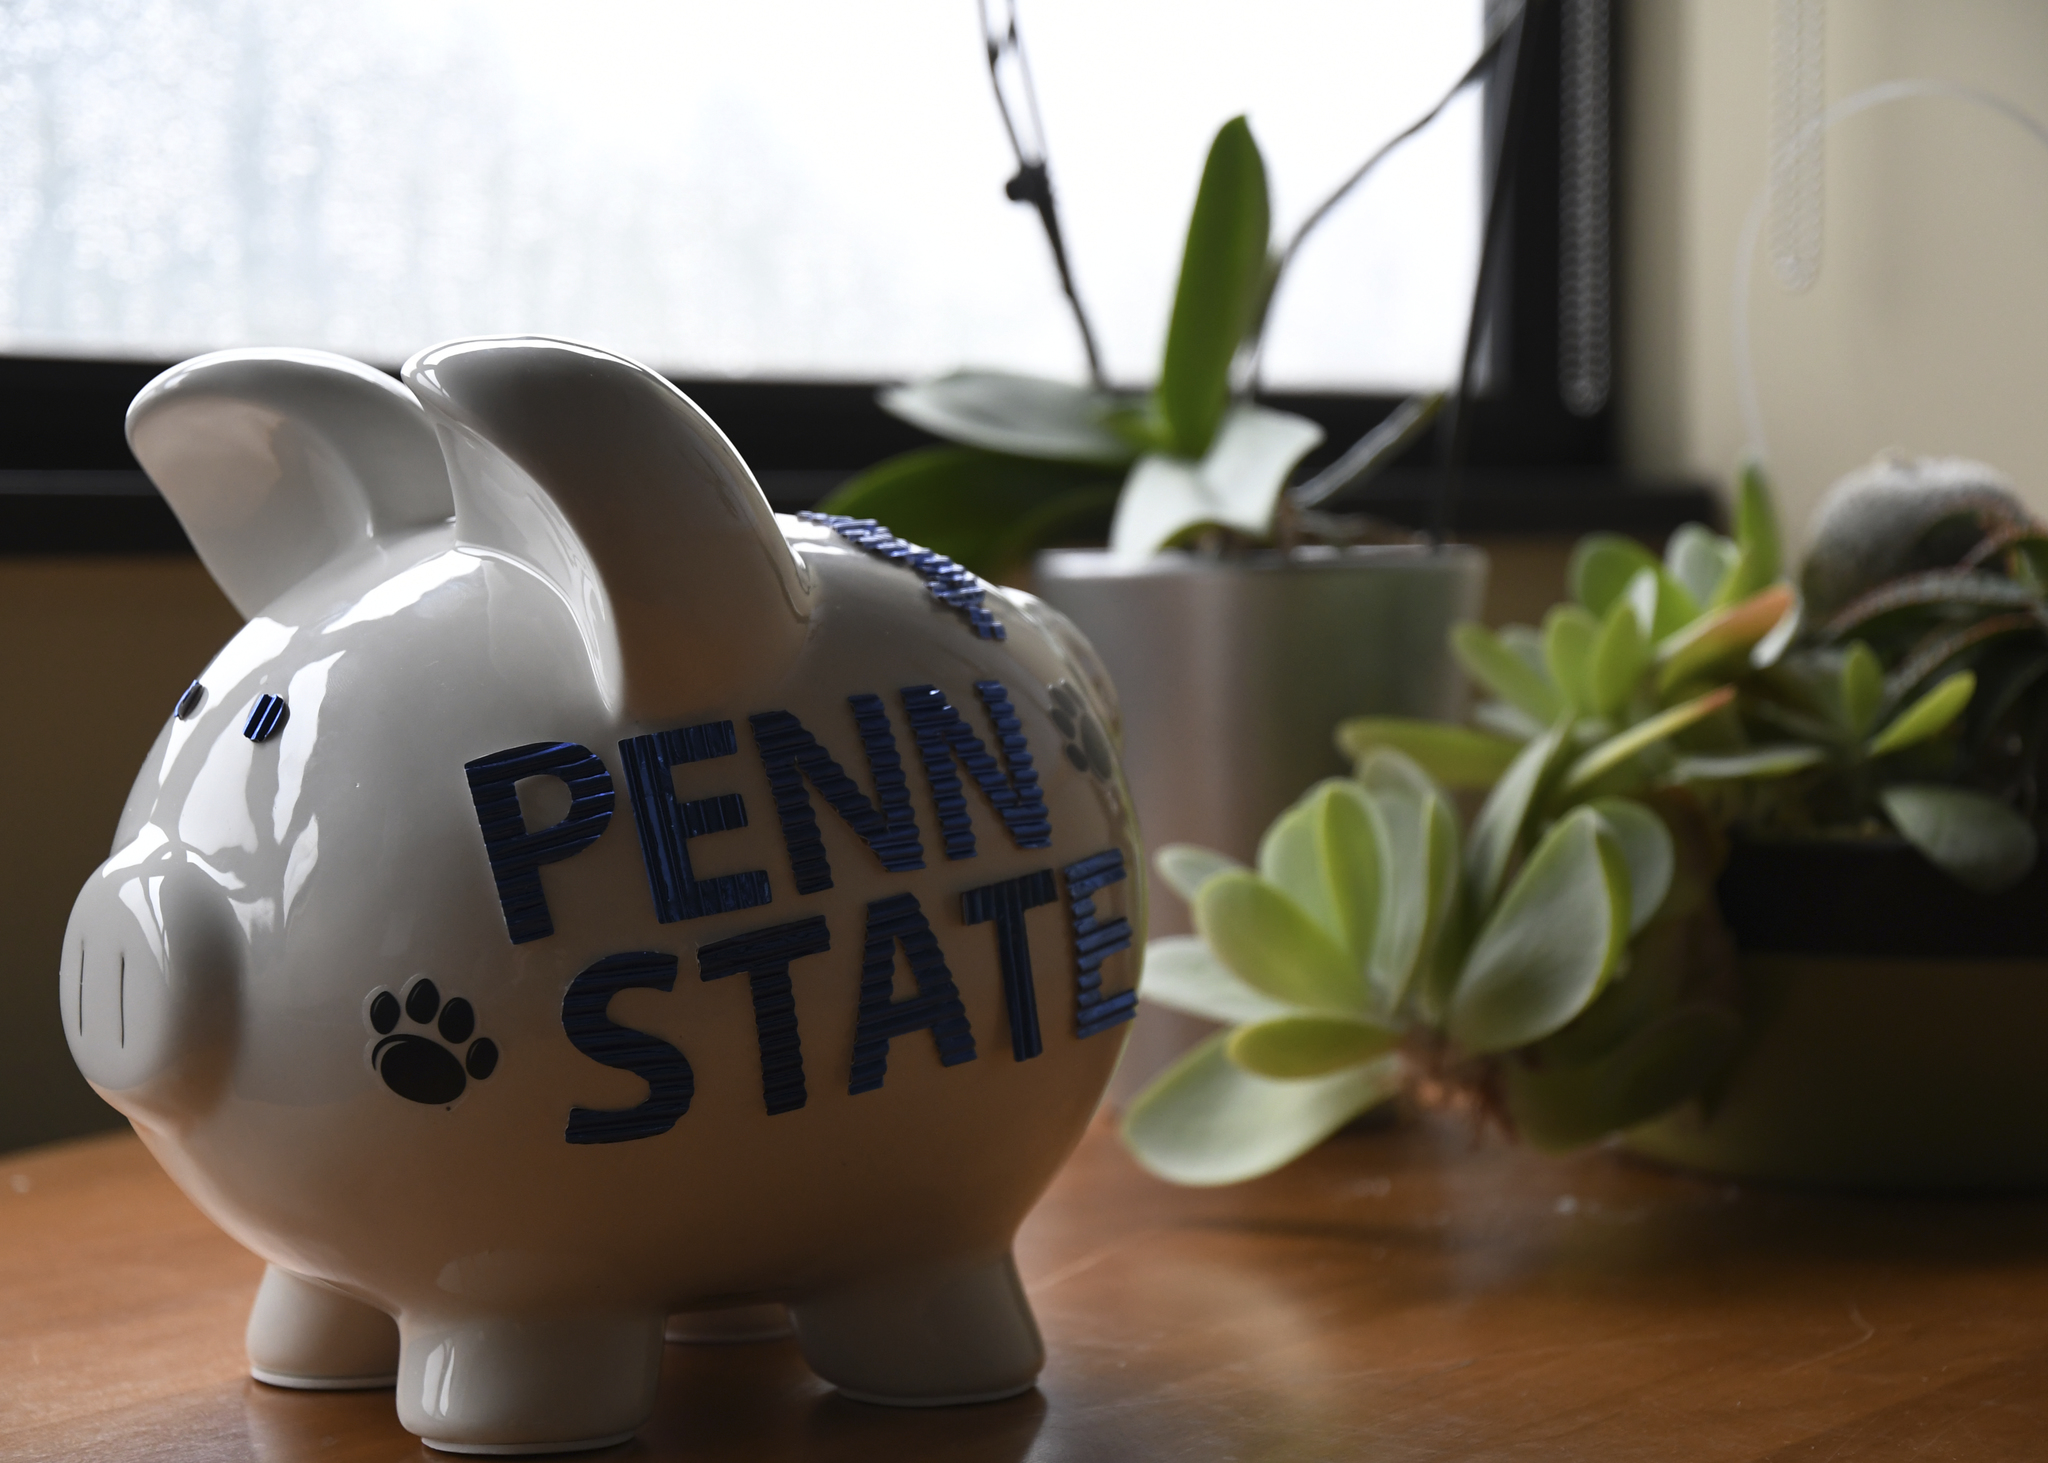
1025, 416
1646, 849
1182, 974
1934, 588
1554, 939
1976, 840
1494, 664
1274, 945
1324, 854
1757, 765
1569, 634
1237, 484
1621, 653
1602, 567
1206, 1120
1606, 756
1759, 546
1186, 867
1700, 559
1498, 828
1222, 274
1292, 1047
1558, 1108
1862, 689
1927, 717
1456, 756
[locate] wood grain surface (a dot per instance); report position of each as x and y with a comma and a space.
1402, 1294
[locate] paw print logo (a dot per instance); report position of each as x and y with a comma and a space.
416, 1065
1087, 744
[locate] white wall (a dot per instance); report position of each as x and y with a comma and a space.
1928, 325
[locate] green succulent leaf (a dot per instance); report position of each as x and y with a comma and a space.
1206, 1120
1610, 754
1186, 867
1753, 766
1389, 772
1419, 879
1555, 938
1023, 416
1862, 689
1236, 484
1977, 840
1646, 849
1289, 1048
1497, 830
1455, 756
1558, 1108
1490, 661
1722, 637
1569, 634
1700, 559
1620, 656
1663, 606
980, 509
1222, 274
1274, 945
1760, 554
1324, 854
1602, 567
1182, 974
1927, 717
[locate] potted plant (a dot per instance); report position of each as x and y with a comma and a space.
1227, 599
1832, 986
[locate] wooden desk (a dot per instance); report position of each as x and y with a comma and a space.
1400, 1295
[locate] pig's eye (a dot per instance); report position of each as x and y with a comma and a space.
266, 718
189, 703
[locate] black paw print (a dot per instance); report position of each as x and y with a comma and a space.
1087, 744
417, 1067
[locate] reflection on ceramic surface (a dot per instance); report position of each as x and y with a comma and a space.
447, 1060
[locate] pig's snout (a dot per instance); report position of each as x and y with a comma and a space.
147, 984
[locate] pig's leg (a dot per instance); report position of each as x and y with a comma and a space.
302, 1334
525, 1382
960, 1331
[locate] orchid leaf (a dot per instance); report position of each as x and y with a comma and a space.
1024, 416
1928, 716
1976, 840
1554, 939
1290, 1048
1273, 945
1186, 867
1206, 1120
1182, 974
1237, 484
1456, 756
1491, 662
1222, 273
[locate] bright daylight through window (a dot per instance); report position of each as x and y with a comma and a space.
688, 183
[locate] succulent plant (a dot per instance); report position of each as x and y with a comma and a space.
1543, 968
1561, 966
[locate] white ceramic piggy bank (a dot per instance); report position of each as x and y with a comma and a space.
578, 895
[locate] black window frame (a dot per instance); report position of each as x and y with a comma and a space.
68, 484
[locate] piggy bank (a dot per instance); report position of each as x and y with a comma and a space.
579, 895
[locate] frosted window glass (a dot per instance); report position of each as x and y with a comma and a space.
790, 189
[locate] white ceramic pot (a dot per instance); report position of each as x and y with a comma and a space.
607, 901
1232, 677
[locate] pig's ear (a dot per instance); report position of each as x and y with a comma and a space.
611, 484
278, 461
